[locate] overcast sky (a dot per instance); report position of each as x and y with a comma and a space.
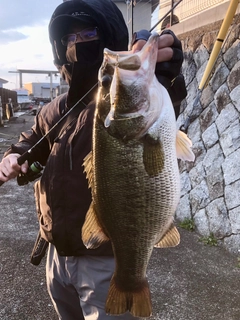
24, 42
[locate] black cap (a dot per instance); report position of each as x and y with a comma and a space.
65, 18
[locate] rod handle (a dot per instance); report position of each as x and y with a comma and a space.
20, 160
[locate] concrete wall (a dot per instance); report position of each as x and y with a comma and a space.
211, 185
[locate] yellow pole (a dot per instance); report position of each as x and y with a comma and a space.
218, 44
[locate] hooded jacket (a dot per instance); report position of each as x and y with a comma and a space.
62, 194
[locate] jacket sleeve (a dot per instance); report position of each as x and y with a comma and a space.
28, 140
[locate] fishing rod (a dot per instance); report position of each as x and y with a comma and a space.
213, 57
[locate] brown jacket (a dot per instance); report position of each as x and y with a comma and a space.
62, 193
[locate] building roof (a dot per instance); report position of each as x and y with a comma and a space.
3, 81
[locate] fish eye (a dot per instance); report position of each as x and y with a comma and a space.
106, 80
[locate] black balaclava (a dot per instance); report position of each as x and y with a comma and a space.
85, 52
84, 59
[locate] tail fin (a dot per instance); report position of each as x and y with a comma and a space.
138, 302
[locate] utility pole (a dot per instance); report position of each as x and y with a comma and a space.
132, 16
51, 86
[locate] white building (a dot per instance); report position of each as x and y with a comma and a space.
41, 90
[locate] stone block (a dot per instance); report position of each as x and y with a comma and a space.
219, 223
210, 136
231, 168
232, 192
230, 138
208, 116
201, 222
227, 116
199, 197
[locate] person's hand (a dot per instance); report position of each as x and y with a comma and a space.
170, 54
9, 167
165, 52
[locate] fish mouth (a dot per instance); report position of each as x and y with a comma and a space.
126, 126
120, 117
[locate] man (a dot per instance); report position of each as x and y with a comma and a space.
78, 278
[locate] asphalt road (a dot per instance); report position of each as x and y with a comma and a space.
190, 282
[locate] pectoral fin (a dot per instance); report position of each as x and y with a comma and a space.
92, 233
170, 239
183, 147
153, 156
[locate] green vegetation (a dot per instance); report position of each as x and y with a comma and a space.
187, 224
210, 240
238, 262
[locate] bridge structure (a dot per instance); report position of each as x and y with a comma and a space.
50, 73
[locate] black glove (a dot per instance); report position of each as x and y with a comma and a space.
140, 35
168, 70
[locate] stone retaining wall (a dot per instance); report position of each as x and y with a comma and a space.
210, 192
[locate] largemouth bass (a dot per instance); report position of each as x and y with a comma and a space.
133, 173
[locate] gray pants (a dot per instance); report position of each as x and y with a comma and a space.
78, 286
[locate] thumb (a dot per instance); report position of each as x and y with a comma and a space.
24, 167
138, 45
